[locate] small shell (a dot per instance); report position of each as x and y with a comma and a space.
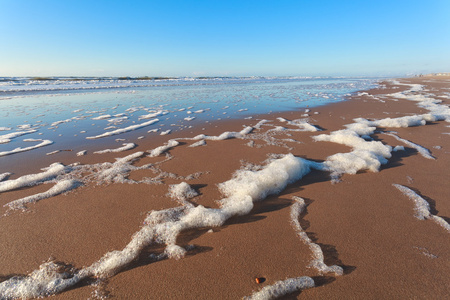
260, 280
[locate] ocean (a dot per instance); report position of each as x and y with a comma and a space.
68, 110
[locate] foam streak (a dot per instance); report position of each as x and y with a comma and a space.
422, 207
318, 263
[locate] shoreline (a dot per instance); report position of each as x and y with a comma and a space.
212, 127
340, 217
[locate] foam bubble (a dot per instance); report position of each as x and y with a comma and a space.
248, 186
365, 155
422, 150
199, 143
126, 146
4, 176
59, 188
49, 279
6, 138
182, 192
53, 152
422, 207
117, 121
123, 130
42, 143
82, 153
406, 121
283, 287
161, 149
166, 132
24, 126
152, 115
49, 173
318, 258
260, 123
102, 117
116, 172
226, 135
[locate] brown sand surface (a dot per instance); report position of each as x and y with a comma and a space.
362, 223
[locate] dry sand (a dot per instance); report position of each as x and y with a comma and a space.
363, 223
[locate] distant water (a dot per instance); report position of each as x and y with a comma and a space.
64, 109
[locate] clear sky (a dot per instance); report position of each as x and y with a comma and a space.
223, 38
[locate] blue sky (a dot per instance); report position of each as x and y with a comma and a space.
223, 38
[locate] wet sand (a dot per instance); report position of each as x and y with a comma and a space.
363, 223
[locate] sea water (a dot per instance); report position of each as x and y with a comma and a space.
71, 111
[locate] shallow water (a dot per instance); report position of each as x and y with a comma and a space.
64, 110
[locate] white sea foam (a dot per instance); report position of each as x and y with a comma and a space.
318, 258
117, 121
102, 117
166, 132
422, 150
81, 153
248, 186
197, 144
302, 124
152, 114
406, 121
282, 287
117, 171
59, 188
4, 176
422, 207
163, 227
6, 138
225, 135
260, 123
182, 192
24, 126
366, 155
53, 152
42, 143
123, 130
126, 146
161, 149
437, 110
5, 128
49, 173
61, 122
47, 280
370, 155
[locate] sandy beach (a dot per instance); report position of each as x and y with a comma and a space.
364, 225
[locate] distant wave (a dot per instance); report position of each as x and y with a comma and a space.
15, 86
